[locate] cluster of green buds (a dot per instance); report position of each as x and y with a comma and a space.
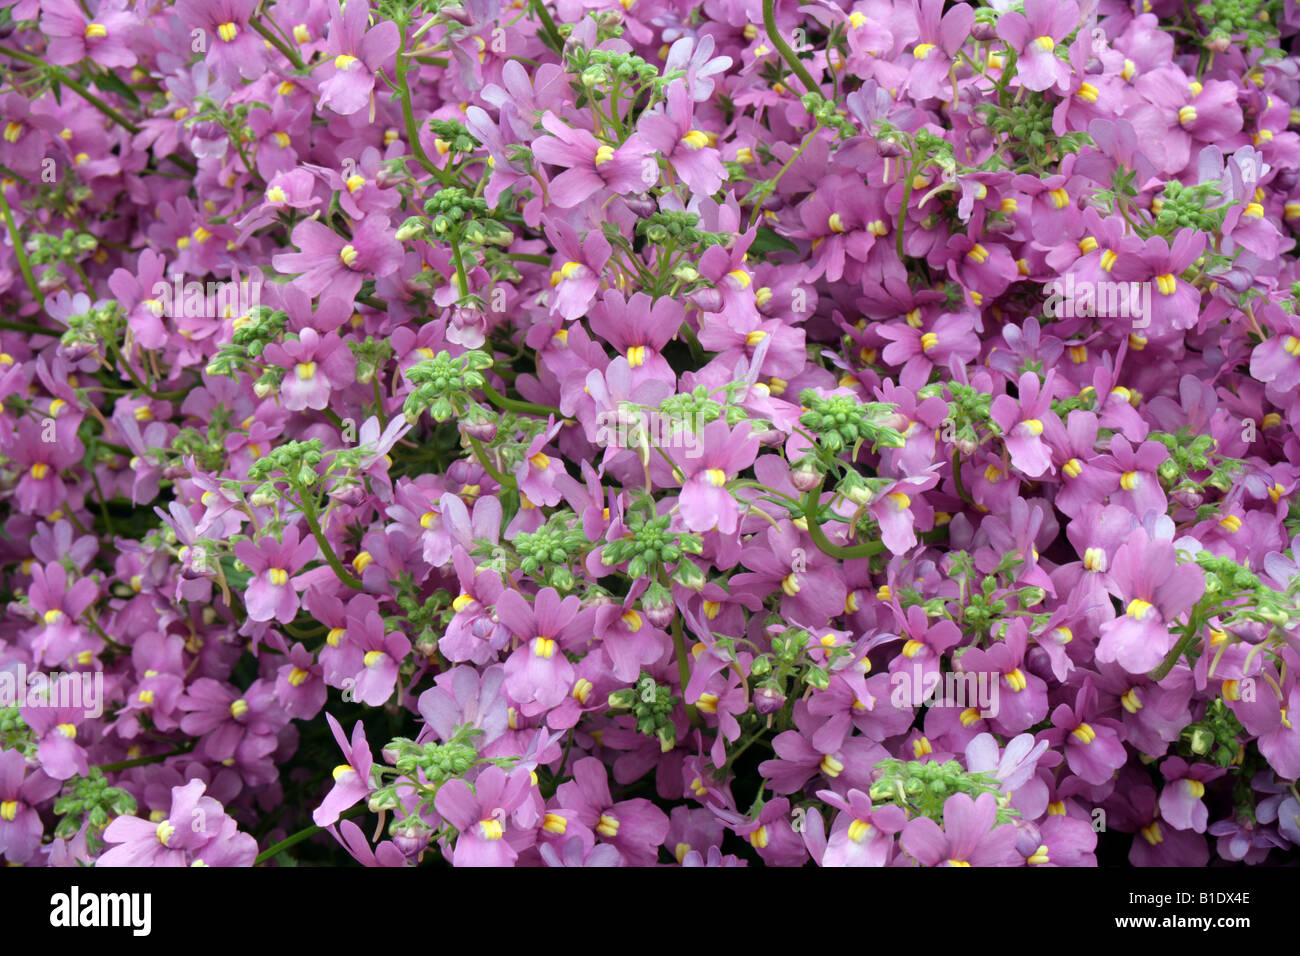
443, 383
791, 663
435, 762
295, 461
231, 117
652, 705
968, 419
697, 408
828, 114
372, 356
1190, 455
1026, 128
205, 445
47, 253
1189, 207
922, 787
1216, 736
423, 617
678, 228
260, 328
548, 553
453, 213
649, 544
89, 801
428, 766
86, 331
1085, 401
1123, 186
842, 422
14, 732
1226, 581
598, 70
1238, 24
981, 607
452, 137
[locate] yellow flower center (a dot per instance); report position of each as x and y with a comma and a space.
696, 139
1138, 608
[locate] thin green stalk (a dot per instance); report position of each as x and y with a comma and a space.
288, 53
516, 405
787, 54
902, 211
301, 835
1178, 650
24, 264
309, 513
502, 479
824, 544
550, 32
684, 671
143, 761
77, 88
408, 115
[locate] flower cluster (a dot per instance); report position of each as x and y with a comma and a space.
624, 433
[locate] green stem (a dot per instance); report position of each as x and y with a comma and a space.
517, 405
787, 54
301, 835
77, 88
550, 32
956, 477
502, 479
23, 263
142, 761
462, 280
309, 513
288, 53
408, 116
744, 745
684, 671
824, 544
1180, 647
902, 210
379, 403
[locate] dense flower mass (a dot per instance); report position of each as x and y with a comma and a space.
861, 433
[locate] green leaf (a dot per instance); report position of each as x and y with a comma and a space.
767, 241
238, 580
112, 83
